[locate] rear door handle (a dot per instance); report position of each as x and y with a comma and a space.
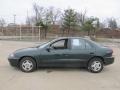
91, 52
57, 54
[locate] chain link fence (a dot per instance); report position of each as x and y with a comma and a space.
35, 33
24, 33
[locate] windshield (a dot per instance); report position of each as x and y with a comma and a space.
45, 44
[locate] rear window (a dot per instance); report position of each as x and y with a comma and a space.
88, 45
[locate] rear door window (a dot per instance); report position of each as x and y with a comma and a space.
77, 44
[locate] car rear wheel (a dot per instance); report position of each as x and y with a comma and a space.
27, 64
95, 65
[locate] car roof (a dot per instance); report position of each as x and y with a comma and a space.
70, 38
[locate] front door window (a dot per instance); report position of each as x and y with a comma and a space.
61, 44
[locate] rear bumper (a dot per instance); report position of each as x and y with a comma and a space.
108, 60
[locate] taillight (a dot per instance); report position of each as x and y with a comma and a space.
112, 51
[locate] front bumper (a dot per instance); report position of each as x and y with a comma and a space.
108, 60
13, 61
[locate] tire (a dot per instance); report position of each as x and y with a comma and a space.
27, 64
95, 65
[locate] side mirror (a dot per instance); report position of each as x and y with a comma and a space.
49, 48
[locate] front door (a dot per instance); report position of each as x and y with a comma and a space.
57, 56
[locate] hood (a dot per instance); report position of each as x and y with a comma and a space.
26, 50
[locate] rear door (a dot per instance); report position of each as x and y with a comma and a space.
80, 52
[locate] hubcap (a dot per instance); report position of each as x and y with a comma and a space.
27, 65
96, 66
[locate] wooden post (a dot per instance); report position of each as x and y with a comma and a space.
39, 33
20, 33
32, 32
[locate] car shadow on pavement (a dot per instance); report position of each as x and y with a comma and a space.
61, 69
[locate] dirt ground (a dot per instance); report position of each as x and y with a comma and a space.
56, 79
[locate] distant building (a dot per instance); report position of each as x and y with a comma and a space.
12, 25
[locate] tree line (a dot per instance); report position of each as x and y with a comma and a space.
68, 20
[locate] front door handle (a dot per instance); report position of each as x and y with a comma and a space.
57, 54
65, 54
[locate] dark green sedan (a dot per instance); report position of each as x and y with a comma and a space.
63, 52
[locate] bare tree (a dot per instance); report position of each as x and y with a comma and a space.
102, 25
28, 21
39, 12
54, 14
112, 23
81, 17
31, 20
35, 7
42, 18
2, 22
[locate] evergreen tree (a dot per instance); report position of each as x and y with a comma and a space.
69, 20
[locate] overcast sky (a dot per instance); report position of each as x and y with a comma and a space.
99, 8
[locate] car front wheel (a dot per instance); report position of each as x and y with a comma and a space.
27, 64
95, 65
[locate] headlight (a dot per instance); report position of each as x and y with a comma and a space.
11, 55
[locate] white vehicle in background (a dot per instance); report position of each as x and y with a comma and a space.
87, 37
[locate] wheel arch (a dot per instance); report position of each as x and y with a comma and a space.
96, 57
29, 57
